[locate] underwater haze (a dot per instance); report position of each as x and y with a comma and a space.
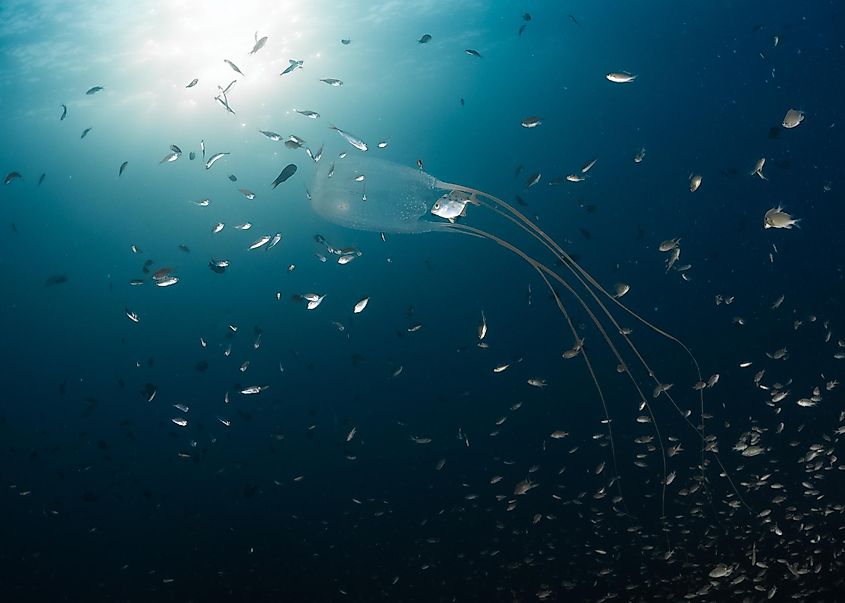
421, 301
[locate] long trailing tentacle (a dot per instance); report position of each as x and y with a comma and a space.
545, 272
592, 286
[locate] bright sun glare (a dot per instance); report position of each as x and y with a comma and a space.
186, 40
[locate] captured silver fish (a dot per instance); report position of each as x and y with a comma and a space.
233, 66
452, 205
292, 66
287, 172
213, 159
351, 139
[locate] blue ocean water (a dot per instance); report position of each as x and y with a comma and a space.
389, 455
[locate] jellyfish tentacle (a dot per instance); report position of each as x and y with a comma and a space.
582, 275
527, 225
544, 272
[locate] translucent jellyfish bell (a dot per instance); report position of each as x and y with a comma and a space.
371, 194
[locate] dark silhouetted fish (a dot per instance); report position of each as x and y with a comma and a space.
290, 170
56, 279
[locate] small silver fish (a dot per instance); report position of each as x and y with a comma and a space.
292, 65
260, 242
351, 139
271, 135
640, 155
274, 241
332, 82
259, 44
233, 66
620, 77
777, 218
213, 159
359, 307
792, 118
